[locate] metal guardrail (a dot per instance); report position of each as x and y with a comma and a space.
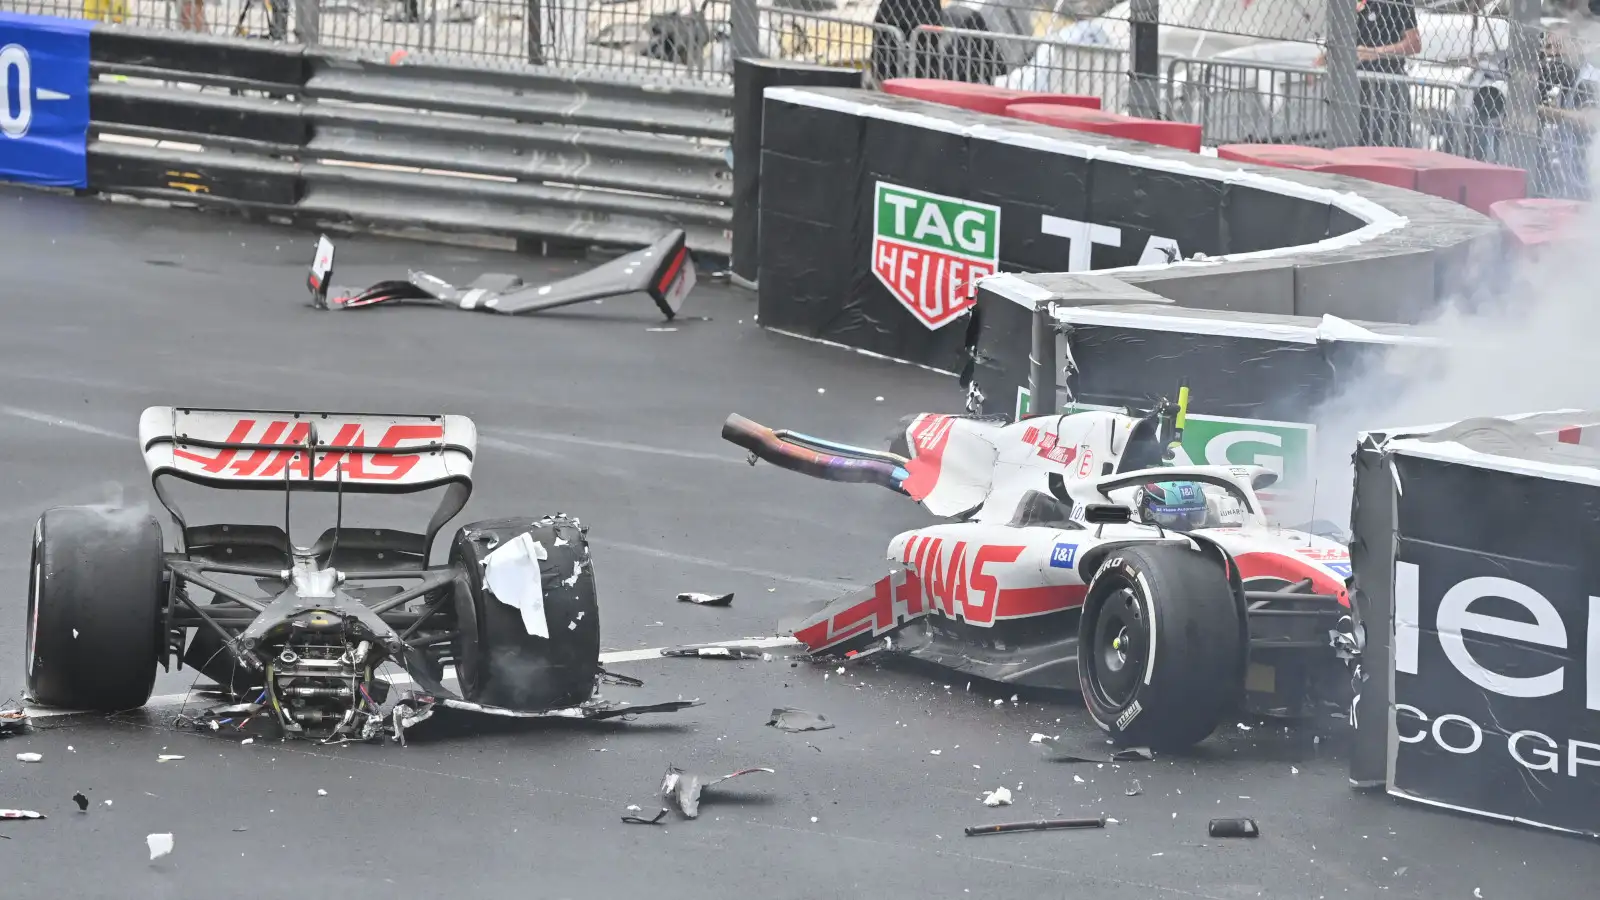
317, 135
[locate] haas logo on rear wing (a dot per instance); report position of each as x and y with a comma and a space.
226, 446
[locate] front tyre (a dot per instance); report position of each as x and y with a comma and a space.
96, 597
1159, 647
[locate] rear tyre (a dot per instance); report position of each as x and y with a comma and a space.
1159, 647
498, 662
96, 596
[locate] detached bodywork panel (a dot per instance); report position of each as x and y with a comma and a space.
664, 271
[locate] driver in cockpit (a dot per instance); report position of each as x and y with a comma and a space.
1178, 505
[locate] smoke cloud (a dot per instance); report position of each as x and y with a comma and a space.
1532, 349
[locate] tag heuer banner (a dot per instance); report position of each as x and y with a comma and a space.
929, 250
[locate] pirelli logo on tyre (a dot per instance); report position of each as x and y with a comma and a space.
930, 250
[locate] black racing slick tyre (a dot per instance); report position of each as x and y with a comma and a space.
96, 596
498, 661
1159, 647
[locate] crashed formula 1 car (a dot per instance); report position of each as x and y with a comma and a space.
1074, 557
299, 634
664, 271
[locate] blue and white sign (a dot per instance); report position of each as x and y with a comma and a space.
1063, 556
44, 100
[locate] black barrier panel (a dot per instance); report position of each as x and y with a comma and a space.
1251, 377
1150, 208
1497, 707
199, 113
998, 353
241, 180
751, 78
805, 250
1372, 549
1253, 220
265, 61
1052, 211
1245, 374
1060, 189
1228, 376
933, 161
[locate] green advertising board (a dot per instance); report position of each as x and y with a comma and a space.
1286, 448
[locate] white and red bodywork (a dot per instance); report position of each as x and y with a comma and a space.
986, 569
239, 448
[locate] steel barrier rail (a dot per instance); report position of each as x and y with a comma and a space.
531, 96
1248, 101
260, 127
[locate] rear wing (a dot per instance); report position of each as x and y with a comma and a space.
265, 449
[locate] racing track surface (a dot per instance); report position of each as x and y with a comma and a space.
108, 309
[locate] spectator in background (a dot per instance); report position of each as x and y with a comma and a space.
888, 53
192, 15
1386, 34
1568, 97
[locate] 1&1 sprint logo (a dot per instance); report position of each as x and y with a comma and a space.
1063, 556
16, 87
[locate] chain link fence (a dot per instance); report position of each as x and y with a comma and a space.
665, 41
1497, 80
1507, 81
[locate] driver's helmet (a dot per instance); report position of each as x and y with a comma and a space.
1179, 505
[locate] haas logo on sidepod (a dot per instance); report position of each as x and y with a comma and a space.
957, 583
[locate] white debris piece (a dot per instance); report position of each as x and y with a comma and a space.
999, 703
997, 797
247, 741
813, 819
633, 808
160, 845
1037, 738
577, 572
167, 757
1293, 770
511, 573
935, 752
29, 757
321, 792
1077, 779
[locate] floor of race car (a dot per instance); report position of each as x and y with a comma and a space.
109, 309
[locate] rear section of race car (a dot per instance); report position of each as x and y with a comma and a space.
299, 634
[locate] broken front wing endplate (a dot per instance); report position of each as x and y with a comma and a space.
664, 271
